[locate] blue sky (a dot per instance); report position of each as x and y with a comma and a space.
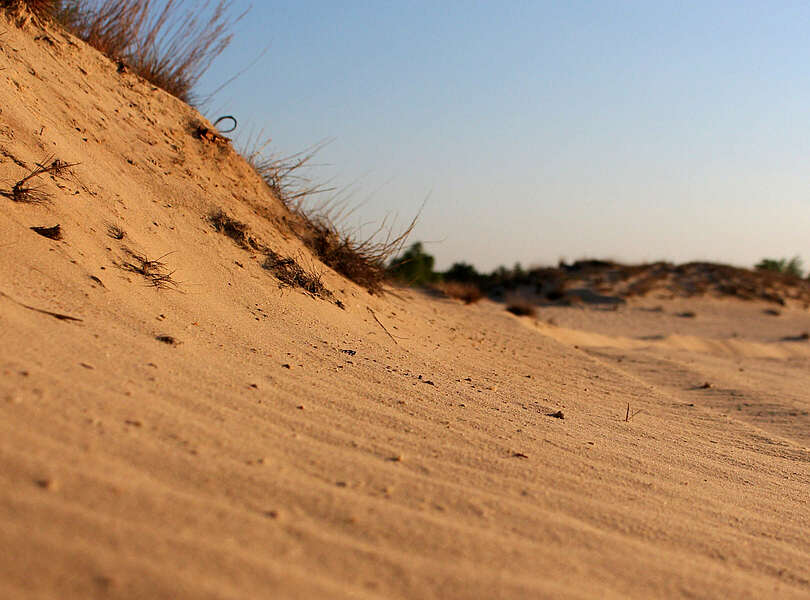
544, 130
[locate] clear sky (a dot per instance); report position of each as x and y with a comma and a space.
544, 130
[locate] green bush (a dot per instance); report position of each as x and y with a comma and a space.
414, 266
782, 265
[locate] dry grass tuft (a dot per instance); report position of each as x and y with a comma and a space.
290, 273
361, 259
236, 230
23, 191
168, 46
287, 270
171, 43
115, 232
287, 176
154, 271
469, 293
41, 8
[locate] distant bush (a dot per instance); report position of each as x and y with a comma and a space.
788, 267
414, 266
462, 272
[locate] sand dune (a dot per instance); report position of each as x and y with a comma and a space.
225, 437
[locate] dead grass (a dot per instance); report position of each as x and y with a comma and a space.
154, 271
287, 270
469, 293
171, 44
321, 226
24, 191
290, 273
41, 8
236, 230
115, 232
361, 259
288, 176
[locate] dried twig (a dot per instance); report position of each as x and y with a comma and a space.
55, 315
373, 314
628, 416
23, 192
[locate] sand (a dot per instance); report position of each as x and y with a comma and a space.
273, 445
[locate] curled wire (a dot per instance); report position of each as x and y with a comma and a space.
226, 117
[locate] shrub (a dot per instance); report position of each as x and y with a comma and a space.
414, 267
462, 272
788, 267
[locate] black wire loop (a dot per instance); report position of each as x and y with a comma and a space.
226, 117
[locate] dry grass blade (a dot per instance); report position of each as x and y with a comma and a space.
287, 176
388, 333
50, 313
629, 415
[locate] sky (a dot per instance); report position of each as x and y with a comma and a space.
538, 131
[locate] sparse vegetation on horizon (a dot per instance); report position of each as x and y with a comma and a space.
608, 282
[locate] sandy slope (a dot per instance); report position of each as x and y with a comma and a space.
259, 458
